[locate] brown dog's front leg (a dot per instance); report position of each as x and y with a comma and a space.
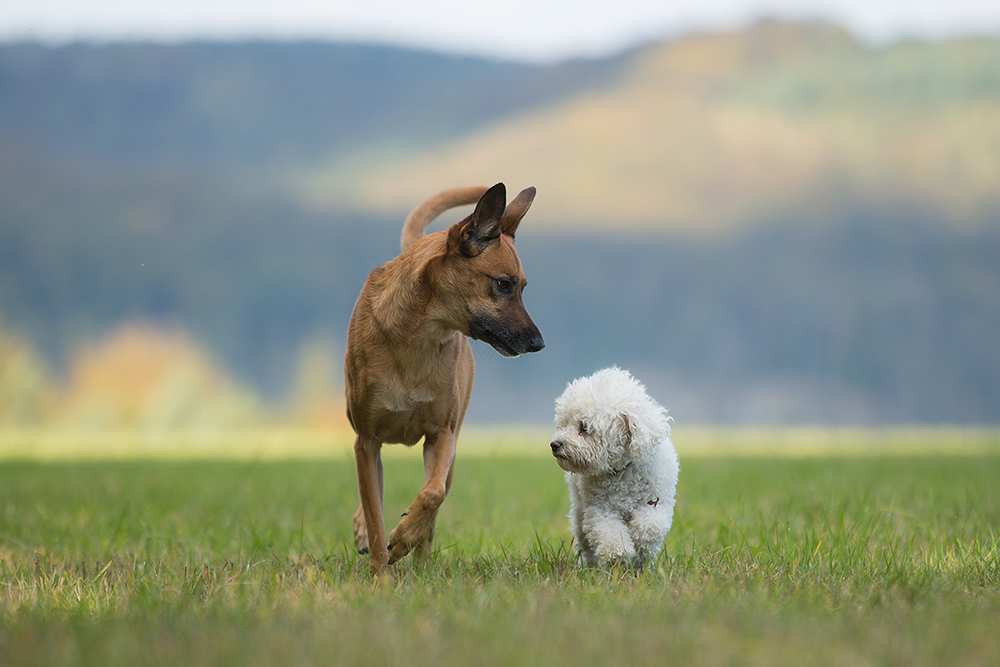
368, 459
416, 530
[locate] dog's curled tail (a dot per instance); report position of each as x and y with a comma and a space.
421, 216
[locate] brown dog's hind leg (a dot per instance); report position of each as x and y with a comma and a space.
416, 530
360, 531
368, 459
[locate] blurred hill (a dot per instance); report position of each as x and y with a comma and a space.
713, 132
771, 225
256, 106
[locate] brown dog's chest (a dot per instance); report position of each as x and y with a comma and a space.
404, 416
404, 401
404, 427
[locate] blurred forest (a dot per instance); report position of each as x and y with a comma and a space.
774, 225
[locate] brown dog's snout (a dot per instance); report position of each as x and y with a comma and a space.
529, 338
535, 341
505, 339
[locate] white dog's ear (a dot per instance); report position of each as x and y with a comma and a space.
642, 436
626, 427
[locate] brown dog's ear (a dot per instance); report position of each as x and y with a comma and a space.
515, 210
472, 235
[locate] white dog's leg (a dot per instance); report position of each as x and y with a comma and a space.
608, 535
576, 506
648, 527
585, 548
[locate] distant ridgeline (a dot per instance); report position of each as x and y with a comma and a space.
771, 225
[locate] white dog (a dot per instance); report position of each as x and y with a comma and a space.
613, 441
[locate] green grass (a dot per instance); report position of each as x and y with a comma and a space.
831, 560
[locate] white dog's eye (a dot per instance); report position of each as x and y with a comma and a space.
583, 428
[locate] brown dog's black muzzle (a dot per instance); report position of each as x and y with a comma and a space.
532, 337
508, 341
536, 343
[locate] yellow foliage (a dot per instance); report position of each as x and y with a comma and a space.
317, 398
145, 377
24, 387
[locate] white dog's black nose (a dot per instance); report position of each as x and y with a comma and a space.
556, 446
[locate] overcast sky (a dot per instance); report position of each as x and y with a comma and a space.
539, 30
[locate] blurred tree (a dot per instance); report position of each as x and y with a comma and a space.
141, 376
317, 398
24, 384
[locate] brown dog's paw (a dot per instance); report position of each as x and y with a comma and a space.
398, 547
360, 532
397, 551
411, 532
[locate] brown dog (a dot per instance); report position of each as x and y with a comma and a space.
409, 367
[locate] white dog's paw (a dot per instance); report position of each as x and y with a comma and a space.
611, 542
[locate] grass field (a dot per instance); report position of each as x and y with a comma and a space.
829, 550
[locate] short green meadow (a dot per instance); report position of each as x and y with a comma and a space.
818, 558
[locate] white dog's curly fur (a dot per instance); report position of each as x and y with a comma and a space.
613, 441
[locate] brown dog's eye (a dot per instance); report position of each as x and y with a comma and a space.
503, 285
583, 429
